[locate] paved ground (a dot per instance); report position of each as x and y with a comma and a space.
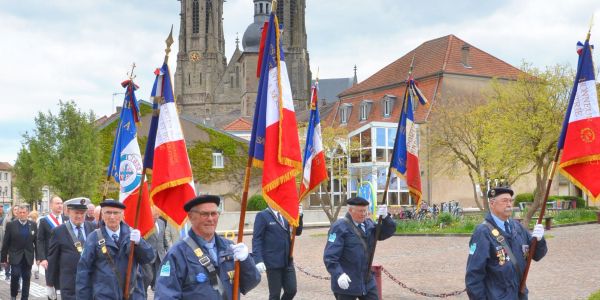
571, 270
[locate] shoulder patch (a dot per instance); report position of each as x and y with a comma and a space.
165, 270
472, 248
331, 237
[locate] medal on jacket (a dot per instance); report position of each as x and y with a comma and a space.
78, 246
501, 256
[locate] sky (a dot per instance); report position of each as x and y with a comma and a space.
82, 50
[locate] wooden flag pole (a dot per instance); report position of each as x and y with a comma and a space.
240, 236
132, 244
534, 241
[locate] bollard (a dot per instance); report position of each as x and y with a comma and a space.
376, 269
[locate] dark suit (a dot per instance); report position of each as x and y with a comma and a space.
271, 245
43, 239
63, 258
159, 243
19, 245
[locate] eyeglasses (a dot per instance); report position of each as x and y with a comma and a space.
504, 200
112, 213
206, 214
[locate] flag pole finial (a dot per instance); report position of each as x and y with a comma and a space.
274, 6
130, 74
412, 65
590, 29
317, 73
169, 42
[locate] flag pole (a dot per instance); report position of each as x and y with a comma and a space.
169, 42
240, 236
533, 244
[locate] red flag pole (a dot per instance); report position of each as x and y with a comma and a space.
240, 236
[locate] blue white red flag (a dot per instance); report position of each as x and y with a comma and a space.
166, 153
314, 167
580, 136
274, 144
405, 159
126, 164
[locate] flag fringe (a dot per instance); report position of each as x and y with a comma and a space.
580, 185
580, 160
280, 180
167, 185
308, 191
294, 222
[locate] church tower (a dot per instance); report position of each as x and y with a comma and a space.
291, 14
201, 58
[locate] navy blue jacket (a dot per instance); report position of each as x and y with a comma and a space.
181, 276
62, 260
271, 240
487, 277
95, 276
344, 253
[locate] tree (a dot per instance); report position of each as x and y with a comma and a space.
528, 115
64, 151
27, 181
461, 134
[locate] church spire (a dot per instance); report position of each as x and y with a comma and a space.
355, 81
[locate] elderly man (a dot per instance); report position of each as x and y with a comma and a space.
103, 265
19, 245
89, 215
349, 246
498, 251
201, 265
66, 245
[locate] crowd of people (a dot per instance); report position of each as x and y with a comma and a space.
85, 252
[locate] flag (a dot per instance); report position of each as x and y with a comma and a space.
314, 167
274, 144
126, 164
405, 159
580, 135
166, 153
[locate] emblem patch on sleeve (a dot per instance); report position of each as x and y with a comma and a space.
165, 270
472, 248
331, 237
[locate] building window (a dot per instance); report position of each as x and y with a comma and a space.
364, 111
217, 160
387, 107
344, 115
195, 16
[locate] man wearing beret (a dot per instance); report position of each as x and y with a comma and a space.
66, 245
200, 266
103, 265
350, 242
498, 251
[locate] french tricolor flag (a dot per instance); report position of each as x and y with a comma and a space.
580, 136
274, 144
405, 159
126, 164
166, 153
315, 169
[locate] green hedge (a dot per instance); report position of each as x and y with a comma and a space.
256, 203
524, 197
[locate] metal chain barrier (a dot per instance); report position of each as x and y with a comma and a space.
413, 290
392, 278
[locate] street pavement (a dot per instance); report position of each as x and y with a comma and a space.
435, 265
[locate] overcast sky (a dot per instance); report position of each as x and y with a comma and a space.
81, 50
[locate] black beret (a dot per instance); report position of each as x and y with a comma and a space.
79, 203
201, 199
493, 192
112, 203
357, 201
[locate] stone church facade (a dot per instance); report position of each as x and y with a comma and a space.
217, 91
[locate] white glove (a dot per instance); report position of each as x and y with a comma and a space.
300, 209
261, 267
135, 236
344, 281
240, 251
382, 210
538, 232
51, 292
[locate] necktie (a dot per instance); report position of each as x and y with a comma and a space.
506, 227
116, 239
362, 227
80, 234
